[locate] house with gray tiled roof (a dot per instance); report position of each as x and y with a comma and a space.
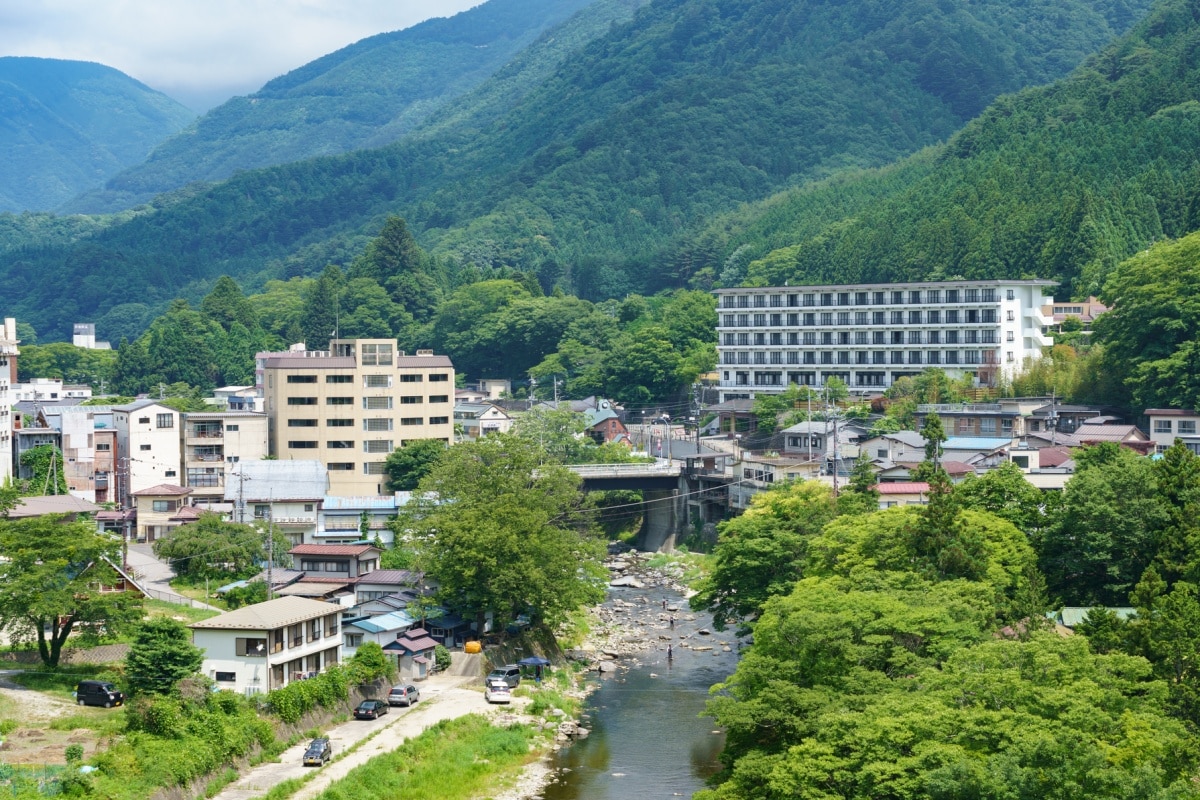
268, 645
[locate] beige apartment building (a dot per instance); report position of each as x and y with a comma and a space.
351, 406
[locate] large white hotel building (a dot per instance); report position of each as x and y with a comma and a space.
868, 335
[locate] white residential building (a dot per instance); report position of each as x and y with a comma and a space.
8, 376
869, 335
287, 494
148, 442
1169, 424
268, 645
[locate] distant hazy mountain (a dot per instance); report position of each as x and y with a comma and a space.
68, 126
366, 95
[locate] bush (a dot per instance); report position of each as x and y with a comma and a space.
299, 697
441, 658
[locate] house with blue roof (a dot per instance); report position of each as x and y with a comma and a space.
383, 629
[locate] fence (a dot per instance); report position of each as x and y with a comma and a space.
17, 779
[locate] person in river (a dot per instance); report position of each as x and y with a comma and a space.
672, 623
670, 653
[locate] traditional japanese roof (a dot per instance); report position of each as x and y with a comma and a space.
332, 549
1072, 616
187, 514
903, 487
163, 490
269, 615
1170, 412
398, 577
1108, 433
416, 640
51, 504
975, 443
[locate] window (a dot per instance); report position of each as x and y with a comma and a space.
339, 379
1187, 427
933, 296
225, 677
373, 468
1162, 426
302, 401
1011, 315
339, 423
378, 446
877, 317
378, 424
164, 420
144, 447
339, 401
411, 378
989, 295
1008, 337
103, 447
439, 420
233, 428
1009, 357
952, 295
341, 444
163, 506
261, 511
410, 399
952, 317
250, 647
301, 378
302, 423
377, 381
987, 425
143, 420
1010, 295
340, 466
933, 317
302, 445
376, 355
445, 398
412, 421
439, 377
377, 403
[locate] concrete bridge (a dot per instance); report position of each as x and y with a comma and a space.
664, 487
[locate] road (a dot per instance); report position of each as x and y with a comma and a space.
155, 576
442, 697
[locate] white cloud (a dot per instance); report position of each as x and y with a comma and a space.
203, 48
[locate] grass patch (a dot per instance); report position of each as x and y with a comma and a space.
578, 625
220, 782
107, 722
685, 566
62, 680
161, 608
453, 760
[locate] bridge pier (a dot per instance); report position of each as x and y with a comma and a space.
661, 520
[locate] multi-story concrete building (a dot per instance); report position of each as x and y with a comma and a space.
214, 440
870, 335
1169, 424
8, 376
353, 405
148, 442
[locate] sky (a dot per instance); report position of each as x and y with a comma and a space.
202, 52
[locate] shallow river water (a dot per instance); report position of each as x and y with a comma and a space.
648, 739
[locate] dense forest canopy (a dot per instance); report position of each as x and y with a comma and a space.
593, 177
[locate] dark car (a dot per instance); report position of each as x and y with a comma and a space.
98, 693
509, 673
404, 695
319, 751
370, 709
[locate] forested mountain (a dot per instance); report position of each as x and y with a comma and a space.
592, 178
366, 95
67, 126
1059, 182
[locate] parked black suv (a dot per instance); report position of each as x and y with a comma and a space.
318, 752
98, 693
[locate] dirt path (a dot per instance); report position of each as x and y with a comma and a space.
442, 697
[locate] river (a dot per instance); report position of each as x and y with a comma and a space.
647, 738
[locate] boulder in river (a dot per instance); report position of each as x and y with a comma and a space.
627, 581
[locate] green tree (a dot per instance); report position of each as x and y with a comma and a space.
322, 301
407, 465
50, 579
762, 553
161, 655
1111, 519
861, 495
1177, 478
226, 305
500, 531
212, 547
946, 546
247, 595
1005, 492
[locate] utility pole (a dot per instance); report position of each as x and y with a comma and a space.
270, 541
